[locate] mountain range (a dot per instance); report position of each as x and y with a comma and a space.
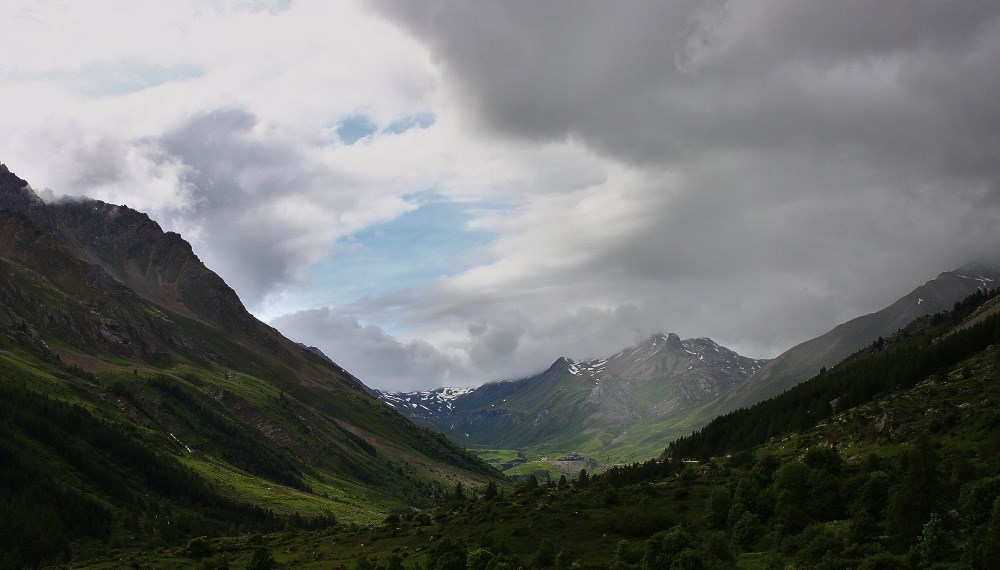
626, 406
805, 360
602, 405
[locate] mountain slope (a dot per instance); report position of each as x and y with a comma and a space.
118, 343
597, 406
905, 478
923, 352
806, 359
632, 403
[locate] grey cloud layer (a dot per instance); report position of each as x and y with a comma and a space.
808, 162
661, 81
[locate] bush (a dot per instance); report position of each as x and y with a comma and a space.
198, 547
262, 560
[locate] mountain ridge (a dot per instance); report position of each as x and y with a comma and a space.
588, 406
807, 358
608, 412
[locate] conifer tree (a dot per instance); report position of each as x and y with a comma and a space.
919, 494
531, 483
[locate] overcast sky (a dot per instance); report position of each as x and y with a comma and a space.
449, 192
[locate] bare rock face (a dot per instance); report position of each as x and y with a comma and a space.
890, 419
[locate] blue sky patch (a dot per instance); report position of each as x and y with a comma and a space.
415, 121
419, 246
354, 128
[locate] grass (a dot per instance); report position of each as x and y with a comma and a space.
495, 456
540, 469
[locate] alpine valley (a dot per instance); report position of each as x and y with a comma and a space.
147, 420
622, 408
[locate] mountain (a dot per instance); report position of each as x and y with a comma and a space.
632, 403
806, 359
601, 406
903, 471
134, 380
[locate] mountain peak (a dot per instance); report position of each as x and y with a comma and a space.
16, 194
9, 180
561, 364
673, 340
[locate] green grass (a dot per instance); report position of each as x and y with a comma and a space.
539, 469
495, 456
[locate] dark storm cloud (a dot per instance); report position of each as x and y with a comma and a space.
823, 157
662, 81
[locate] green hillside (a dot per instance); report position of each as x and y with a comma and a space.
905, 476
806, 359
142, 404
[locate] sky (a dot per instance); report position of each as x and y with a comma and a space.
451, 192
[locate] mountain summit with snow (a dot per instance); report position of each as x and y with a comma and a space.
605, 405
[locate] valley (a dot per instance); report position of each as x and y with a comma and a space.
908, 466
620, 409
149, 420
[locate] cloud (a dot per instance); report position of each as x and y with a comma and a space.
771, 169
665, 82
370, 353
755, 171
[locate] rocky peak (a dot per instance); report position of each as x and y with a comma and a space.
132, 248
17, 196
561, 364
